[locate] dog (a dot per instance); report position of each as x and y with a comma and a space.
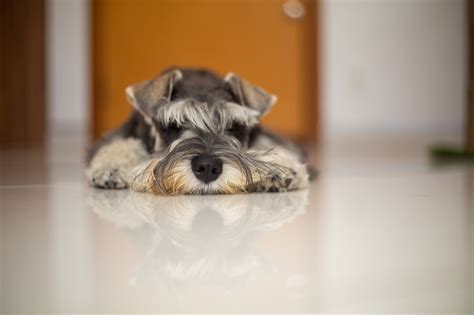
192, 132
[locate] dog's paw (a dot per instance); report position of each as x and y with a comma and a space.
111, 166
276, 182
284, 180
109, 178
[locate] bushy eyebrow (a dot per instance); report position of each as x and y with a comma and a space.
182, 112
231, 112
205, 117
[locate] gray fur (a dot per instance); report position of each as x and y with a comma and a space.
185, 113
226, 148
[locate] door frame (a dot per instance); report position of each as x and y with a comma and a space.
22, 75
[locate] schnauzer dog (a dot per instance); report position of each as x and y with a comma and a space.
194, 133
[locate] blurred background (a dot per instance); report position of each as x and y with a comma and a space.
341, 68
373, 83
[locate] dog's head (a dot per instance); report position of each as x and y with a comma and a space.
204, 126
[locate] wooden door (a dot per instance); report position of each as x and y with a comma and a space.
133, 40
22, 73
470, 105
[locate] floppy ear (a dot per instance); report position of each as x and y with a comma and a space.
148, 96
249, 95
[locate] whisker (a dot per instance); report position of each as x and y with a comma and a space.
167, 176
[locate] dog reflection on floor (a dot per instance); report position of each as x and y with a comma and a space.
196, 240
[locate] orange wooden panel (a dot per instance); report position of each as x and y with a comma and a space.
135, 39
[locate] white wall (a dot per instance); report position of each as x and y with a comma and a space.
393, 66
68, 62
389, 66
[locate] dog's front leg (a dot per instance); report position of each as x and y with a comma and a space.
283, 172
112, 165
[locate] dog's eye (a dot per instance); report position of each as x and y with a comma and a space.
173, 127
171, 131
236, 130
235, 127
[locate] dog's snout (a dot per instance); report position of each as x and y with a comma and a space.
206, 168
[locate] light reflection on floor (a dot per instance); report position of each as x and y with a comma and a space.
383, 232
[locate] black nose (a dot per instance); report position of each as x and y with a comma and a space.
206, 168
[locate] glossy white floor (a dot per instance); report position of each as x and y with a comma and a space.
381, 231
